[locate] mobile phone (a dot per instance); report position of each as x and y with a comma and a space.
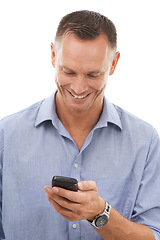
65, 182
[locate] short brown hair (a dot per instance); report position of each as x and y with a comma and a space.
87, 25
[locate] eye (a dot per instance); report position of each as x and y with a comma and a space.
68, 72
94, 75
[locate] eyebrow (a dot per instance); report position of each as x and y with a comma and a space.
71, 70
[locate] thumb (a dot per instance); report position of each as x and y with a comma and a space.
87, 186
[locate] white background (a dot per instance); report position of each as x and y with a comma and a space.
28, 27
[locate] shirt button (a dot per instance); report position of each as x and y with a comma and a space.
76, 165
74, 226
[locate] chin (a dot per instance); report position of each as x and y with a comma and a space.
95, 102
92, 103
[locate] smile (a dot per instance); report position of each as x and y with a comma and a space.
79, 97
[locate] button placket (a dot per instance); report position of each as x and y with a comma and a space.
74, 230
76, 167
74, 226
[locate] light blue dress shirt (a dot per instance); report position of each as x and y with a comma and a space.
121, 154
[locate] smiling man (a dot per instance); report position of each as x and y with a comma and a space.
82, 70
78, 133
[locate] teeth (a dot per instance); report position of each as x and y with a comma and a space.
79, 96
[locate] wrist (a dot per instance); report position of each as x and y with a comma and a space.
100, 210
101, 219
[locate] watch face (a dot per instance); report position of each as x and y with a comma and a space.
101, 221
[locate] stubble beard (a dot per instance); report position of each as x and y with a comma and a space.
90, 106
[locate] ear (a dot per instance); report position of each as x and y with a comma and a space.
53, 55
114, 63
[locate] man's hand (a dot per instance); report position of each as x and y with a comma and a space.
75, 206
86, 204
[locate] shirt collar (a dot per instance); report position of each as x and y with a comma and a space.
47, 112
109, 115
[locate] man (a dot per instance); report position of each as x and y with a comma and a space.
77, 133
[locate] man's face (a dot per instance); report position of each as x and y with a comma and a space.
82, 69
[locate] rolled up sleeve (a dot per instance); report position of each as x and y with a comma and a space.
1, 171
147, 206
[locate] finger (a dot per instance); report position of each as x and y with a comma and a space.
64, 207
47, 189
50, 196
57, 201
64, 212
67, 194
77, 197
87, 186
70, 210
49, 193
67, 204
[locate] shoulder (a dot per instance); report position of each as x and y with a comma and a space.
136, 126
26, 115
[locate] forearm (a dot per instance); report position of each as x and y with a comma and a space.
120, 228
86, 204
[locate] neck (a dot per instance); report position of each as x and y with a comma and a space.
85, 120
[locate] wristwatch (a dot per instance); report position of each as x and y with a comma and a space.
101, 219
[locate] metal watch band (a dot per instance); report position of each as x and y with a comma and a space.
104, 216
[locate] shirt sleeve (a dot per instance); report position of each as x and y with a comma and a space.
1, 168
147, 206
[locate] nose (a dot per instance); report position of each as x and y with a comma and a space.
79, 85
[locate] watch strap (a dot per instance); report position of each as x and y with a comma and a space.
106, 212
